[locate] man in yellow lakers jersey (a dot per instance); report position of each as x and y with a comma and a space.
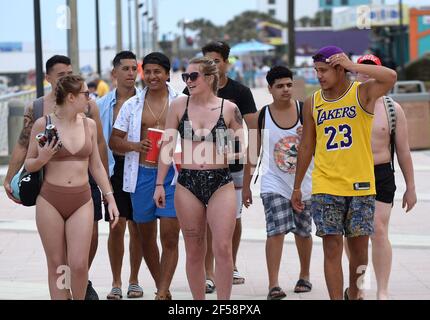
337, 129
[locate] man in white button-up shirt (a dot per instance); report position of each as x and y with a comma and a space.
148, 110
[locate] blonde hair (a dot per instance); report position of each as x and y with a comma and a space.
69, 84
209, 68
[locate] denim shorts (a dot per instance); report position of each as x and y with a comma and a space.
338, 215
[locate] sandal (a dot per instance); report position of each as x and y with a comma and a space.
346, 295
134, 291
303, 286
210, 286
115, 294
237, 278
276, 293
167, 296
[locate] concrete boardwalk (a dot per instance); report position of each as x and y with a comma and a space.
23, 272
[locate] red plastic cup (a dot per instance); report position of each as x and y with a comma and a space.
154, 135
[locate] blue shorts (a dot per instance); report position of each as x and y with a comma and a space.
144, 208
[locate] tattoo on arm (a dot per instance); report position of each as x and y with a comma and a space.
88, 112
24, 137
238, 116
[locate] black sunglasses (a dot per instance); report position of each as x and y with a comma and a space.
192, 76
86, 93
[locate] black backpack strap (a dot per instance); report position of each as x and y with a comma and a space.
37, 108
390, 109
261, 118
301, 104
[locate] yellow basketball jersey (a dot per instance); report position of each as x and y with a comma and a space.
343, 153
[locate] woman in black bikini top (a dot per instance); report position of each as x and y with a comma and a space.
205, 193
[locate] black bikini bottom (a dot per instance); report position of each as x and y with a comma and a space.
203, 183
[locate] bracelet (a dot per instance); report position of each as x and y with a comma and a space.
298, 189
107, 194
159, 185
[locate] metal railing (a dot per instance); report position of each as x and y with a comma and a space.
26, 97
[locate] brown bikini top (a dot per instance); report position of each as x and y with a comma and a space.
82, 155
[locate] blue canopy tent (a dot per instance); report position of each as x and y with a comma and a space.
250, 47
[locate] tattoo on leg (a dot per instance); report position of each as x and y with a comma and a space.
238, 115
195, 234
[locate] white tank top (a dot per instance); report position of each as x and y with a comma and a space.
280, 148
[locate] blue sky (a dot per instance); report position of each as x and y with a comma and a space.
19, 22
16, 23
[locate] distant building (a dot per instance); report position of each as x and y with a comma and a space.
329, 4
275, 8
352, 41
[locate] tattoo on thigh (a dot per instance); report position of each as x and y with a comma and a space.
238, 116
193, 233
24, 137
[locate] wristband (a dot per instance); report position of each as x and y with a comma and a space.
107, 194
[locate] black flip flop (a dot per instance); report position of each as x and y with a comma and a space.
303, 283
276, 293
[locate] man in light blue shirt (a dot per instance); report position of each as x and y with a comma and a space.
125, 72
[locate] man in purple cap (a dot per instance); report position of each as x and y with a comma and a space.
337, 129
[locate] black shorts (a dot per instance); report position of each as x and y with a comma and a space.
122, 199
97, 198
385, 183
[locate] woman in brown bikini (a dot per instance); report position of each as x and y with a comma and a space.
64, 208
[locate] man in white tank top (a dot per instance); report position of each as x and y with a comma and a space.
279, 132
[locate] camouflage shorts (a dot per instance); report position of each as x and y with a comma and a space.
337, 215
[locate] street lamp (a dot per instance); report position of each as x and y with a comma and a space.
137, 26
401, 55
98, 58
291, 35
38, 47
130, 41
145, 13
148, 35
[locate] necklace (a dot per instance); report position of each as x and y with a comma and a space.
157, 119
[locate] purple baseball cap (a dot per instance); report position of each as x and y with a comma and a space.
325, 53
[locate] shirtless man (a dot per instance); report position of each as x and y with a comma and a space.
384, 181
148, 110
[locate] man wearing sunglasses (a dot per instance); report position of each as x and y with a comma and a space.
240, 95
146, 110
